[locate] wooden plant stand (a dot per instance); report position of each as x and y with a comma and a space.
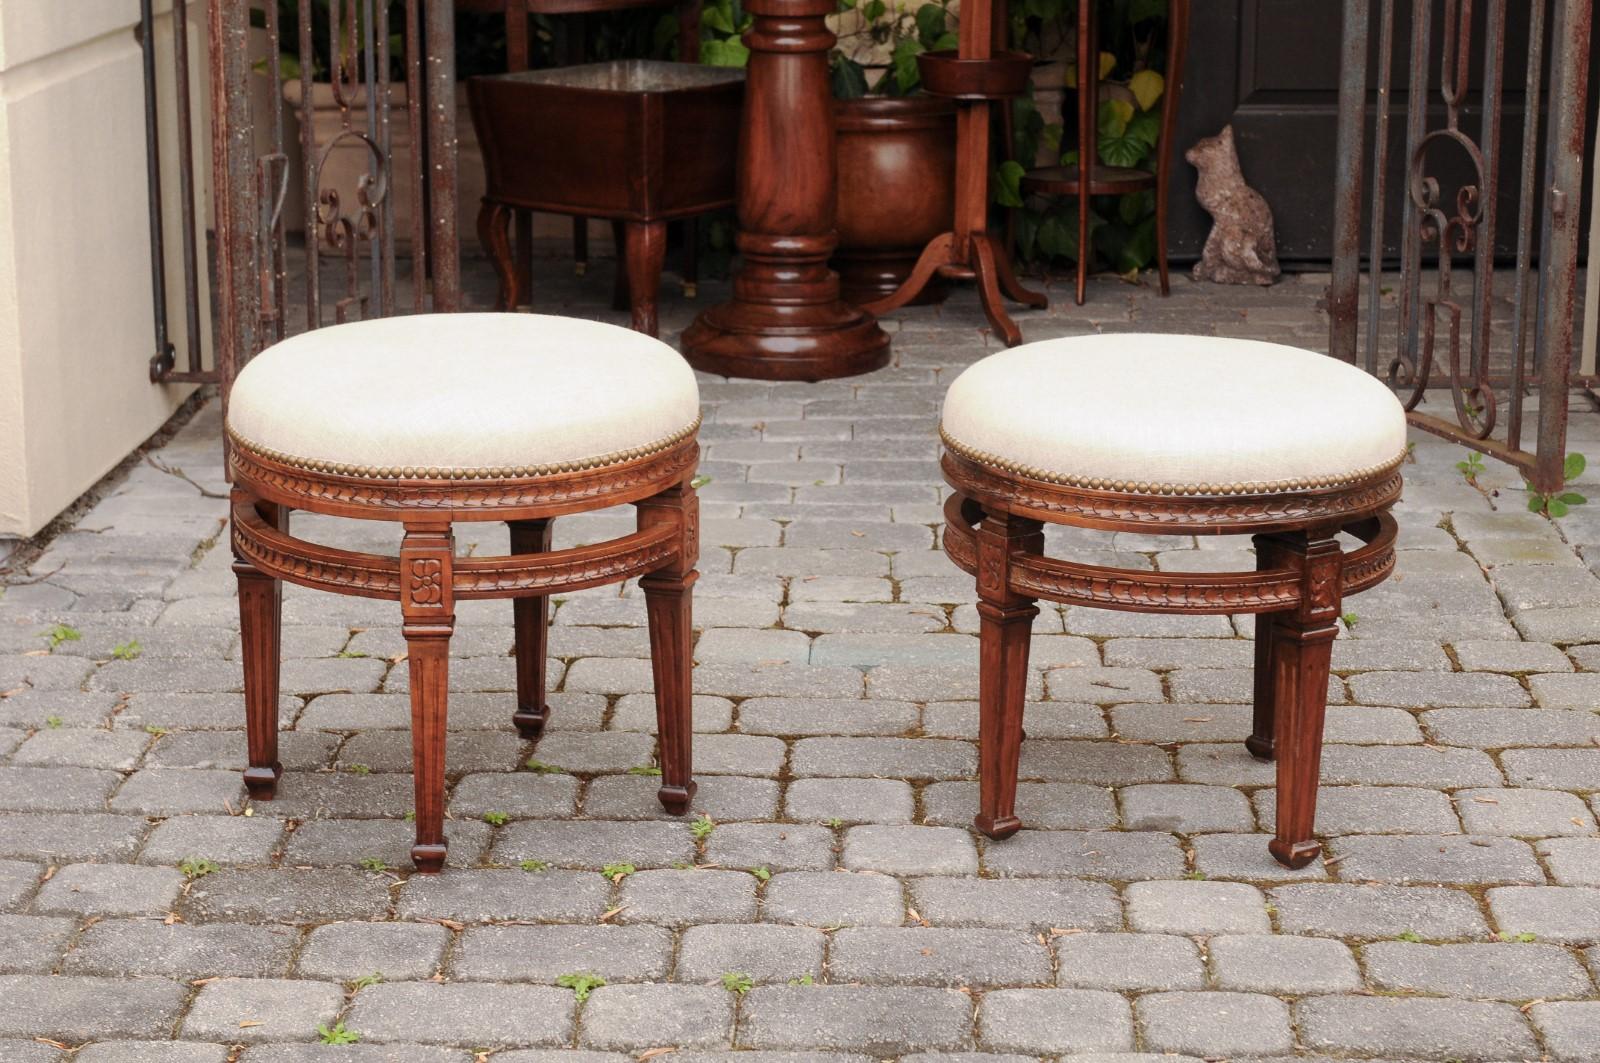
978, 74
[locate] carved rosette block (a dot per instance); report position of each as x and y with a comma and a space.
786, 320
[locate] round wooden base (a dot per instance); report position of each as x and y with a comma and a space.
820, 341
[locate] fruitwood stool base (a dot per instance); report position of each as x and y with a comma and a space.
1155, 434
430, 420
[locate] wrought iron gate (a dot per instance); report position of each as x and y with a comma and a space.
1437, 328
265, 283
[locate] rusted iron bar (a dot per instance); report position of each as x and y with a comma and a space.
420, 263
1522, 305
311, 162
162, 362
1344, 294
1380, 180
385, 138
442, 147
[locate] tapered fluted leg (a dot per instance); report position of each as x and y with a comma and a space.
530, 619
669, 602
261, 642
1302, 648
1005, 626
427, 558
1260, 742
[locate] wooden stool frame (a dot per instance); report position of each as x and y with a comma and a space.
427, 579
994, 531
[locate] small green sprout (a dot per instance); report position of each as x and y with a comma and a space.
1195, 876
53, 722
374, 863
1408, 935
835, 822
617, 872
1559, 503
496, 819
1349, 620
738, 982
1471, 467
194, 867
411, 816
1523, 938
699, 482
152, 729
762, 874
539, 767
364, 981
359, 769
644, 769
128, 650
580, 984
347, 654
535, 865
702, 827
338, 1035
804, 979
60, 633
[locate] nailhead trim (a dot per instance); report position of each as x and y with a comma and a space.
1254, 487
500, 472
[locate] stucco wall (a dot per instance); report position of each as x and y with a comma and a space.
76, 333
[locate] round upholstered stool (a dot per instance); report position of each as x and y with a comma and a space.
465, 417
1181, 435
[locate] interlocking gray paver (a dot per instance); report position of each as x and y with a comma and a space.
1055, 1021
33, 708
1553, 913
1427, 690
352, 842
937, 956
390, 751
288, 895
78, 1009
1196, 907
934, 682
833, 898
1046, 719
344, 951
800, 716
121, 947
570, 843
1376, 911
1220, 685
46, 673
1103, 686
1495, 971
637, 712
1571, 861
862, 617
174, 791
588, 753
201, 711
1055, 806
683, 898
738, 754
1115, 855
1523, 813
1038, 904
1215, 1024
909, 850
298, 750
1449, 859
151, 1052
767, 953
880, 1020
1408, 766
1282, 965
775, 846
1497, 655
261, 1009
1414, 1028
55, 789
545, 953
902, 758
1168, 653
363, 1053
496, 895
467, 1013
1370, 810
31, 944
82, 748
1184, 808
1566, 691
622, 1017
1128, 962
1578, 623
1571, 1029
517, 794
1500, 728
850, 800
1093, 762
1553, 769
19, 1051
70, 836
109, 889
722, 797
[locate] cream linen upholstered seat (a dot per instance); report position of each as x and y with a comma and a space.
463, 396
1171, 414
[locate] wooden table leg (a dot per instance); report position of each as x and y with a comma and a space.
530, 619
668, 593
261, 647
1004, 631
427, 563
645, 250
786, 320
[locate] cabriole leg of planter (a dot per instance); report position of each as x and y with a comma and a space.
669, 601
261, 644
530, 618
1302, 648
492, 221
427, 602
1005, 627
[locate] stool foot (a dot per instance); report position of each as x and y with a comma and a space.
429, 859
1294, 855
675, 799
530, 722
262, 782
1003, 827
1261, 748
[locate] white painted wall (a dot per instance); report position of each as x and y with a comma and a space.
76, 333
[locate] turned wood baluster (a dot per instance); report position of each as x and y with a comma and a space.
427, 604
530, 619
668, 593
261, 646
1302, 649
1005, 627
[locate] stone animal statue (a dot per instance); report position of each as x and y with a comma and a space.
1241, 248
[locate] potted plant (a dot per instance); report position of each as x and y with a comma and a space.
896, 145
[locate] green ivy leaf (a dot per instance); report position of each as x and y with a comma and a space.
719, 18
730, 52
930, 23
1556, 508
1008, 184
1571, 498
906, 74
1574, 466
849, 80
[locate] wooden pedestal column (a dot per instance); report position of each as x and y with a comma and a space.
786, 320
